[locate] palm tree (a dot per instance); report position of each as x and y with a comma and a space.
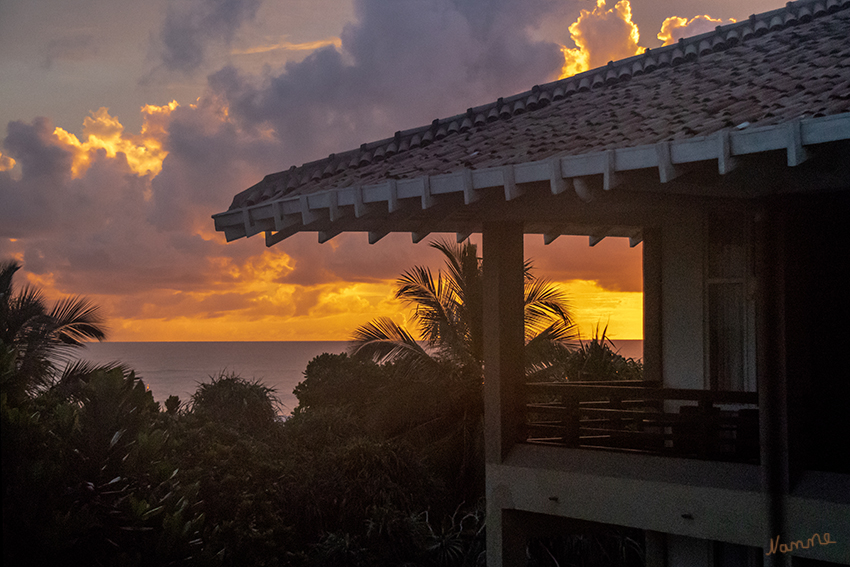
34, 340
449, 312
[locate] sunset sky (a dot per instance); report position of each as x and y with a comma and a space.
125, 125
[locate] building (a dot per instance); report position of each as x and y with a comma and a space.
728, 156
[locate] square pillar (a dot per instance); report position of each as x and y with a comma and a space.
504, 378
652, 309
504, 337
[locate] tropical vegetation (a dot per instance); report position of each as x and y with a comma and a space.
380, 463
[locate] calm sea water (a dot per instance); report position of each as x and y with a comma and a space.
177, 368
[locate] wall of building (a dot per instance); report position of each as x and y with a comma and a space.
682, 305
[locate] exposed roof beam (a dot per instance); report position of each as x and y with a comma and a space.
610, 177
273, 238
326, 235
375, 236
557, 183
470, 194
361, 209
725, 161
666, 170
797, 154
512, 191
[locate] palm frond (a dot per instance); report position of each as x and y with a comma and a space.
77, 372
382, 340
544, 302
7, 271
77, 319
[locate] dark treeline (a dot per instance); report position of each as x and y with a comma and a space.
381, 462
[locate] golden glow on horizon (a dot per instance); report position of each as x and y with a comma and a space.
144, 152
594, 306
333, 312
600, 35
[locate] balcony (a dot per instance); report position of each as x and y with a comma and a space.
639, 416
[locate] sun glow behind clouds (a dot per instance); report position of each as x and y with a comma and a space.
6, 163
144, 152
601, 35
675, 27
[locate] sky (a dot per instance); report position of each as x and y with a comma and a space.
125, 125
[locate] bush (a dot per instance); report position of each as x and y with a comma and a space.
231, 401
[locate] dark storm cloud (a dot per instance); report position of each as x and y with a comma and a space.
191, 25
32, 147
401, 64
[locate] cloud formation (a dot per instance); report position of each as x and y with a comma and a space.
289, 46
601, 35
675, 27
191, 25
125, 217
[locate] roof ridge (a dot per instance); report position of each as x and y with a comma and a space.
685, 50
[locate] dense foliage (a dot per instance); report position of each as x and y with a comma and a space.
375, 466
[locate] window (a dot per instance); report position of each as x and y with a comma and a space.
729, 308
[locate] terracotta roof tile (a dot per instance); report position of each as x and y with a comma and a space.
774, 67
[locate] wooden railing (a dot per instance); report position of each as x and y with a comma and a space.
641, 416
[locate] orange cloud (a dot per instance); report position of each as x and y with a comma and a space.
6, 163
144, 152
675, 27
601, 35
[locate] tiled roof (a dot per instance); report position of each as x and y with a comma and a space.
777, 67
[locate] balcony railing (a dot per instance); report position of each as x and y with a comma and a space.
643, 417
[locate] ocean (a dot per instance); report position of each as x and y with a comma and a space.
176, 368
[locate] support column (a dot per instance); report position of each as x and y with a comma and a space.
504, 372
772, 376
652, 263
504, 337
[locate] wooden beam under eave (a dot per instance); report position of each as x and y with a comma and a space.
375, 236
470, 193
273, 238
326, 235
797, 154
726, 162
666, 170
550, 237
